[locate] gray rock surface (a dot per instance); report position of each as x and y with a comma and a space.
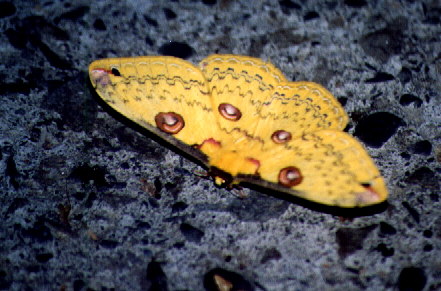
90, 202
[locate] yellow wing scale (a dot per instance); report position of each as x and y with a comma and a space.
141, 87
335, 167
244, 82
300, 108
248, 122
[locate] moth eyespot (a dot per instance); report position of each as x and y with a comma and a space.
169, 122
116, 72
290, 176
229, 112
281, 136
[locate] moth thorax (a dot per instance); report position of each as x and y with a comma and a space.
169, 122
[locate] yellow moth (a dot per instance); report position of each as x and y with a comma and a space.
246, 123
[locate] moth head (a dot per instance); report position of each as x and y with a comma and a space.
221, 178
219, 181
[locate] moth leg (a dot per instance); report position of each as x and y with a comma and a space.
240, 192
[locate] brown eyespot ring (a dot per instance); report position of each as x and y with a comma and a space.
281, 136
229, 112
169, 122
290, 176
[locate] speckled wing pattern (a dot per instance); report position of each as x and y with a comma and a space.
243, 82
141, 87
334, 167
247, 123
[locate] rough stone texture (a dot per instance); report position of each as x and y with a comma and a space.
89, 202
